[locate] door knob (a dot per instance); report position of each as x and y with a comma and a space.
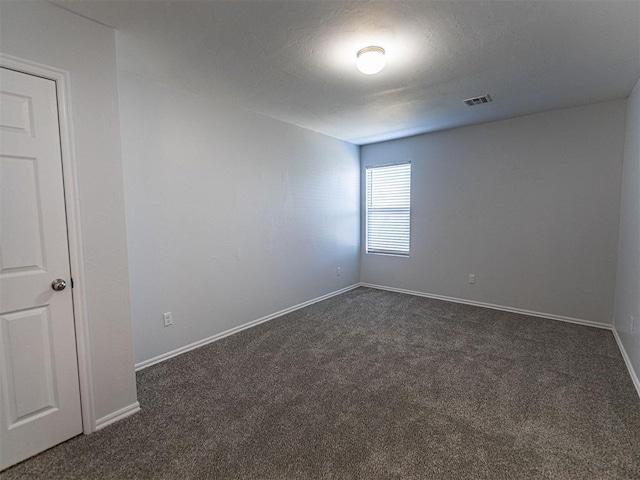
58, 284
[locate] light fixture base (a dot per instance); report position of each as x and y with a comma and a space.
370, 60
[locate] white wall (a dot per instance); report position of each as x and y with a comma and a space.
42, 33
627, 300
529, 205
231, 216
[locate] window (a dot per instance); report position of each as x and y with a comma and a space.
388, 209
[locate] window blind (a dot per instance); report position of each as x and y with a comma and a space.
388, 209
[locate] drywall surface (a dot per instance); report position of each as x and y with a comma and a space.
627, 304
40, 32
231, 216
529, 205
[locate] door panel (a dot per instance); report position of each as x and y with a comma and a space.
30, 372
16, 114
22, 245
39, 389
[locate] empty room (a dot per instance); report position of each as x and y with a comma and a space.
306, 239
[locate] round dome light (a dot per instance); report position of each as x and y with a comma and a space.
370, 60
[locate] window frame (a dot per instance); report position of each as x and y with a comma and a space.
367, 207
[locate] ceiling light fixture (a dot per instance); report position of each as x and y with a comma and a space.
370, 60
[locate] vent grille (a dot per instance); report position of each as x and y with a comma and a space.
470, 102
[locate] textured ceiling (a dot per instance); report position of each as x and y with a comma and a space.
295, 60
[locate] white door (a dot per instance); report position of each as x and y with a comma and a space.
39, 389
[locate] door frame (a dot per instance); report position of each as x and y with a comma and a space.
62, 79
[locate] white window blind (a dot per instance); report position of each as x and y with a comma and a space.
388, 214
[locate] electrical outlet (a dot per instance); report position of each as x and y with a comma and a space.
338, 272
168, 319
472, 278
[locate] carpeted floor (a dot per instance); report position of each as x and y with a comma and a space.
375, 385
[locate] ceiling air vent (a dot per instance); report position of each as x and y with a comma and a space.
470, 102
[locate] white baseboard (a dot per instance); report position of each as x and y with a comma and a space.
117, 415
231, 331
627, 361
531, 313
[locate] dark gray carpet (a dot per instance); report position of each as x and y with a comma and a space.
375, 385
